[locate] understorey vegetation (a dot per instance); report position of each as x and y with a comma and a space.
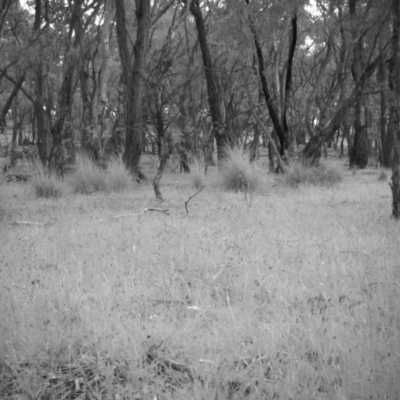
115, 295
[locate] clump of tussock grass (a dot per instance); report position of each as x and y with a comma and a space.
298, 174
237, 173
45, 185
382, 175
197, 175
88, 176
118, 177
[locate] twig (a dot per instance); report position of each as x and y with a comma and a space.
190, 198
165, 211
29, 223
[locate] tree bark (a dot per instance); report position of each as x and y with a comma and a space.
7, 106
213, 89
385, 137
359, 152
63, 150
44, 139
394, 118
311, 98
133, 79
282, 135
102, 101
288, 81
327, 133
162, 148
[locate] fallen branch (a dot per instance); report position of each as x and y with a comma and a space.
190, 198
165, 211
29, 223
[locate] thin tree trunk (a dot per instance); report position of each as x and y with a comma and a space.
385, 137
63, 150
213, 89
282, 135
313, 146
7, 106
288, 81
321, 75
162, 148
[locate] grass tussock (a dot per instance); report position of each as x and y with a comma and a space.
197, 175
237, 173
329, 174
88, 177
45, 185
383, 176
118, 178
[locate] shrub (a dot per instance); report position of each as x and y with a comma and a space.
88, 176
47, 186
118, 177
382, 175
197, 175
297, 174
237, 173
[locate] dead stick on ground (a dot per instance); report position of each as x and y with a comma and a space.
190, 198
165, 211
29, 223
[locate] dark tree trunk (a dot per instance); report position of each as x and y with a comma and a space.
44, 139
282, 135
394, 119
288, 82
385, 138
254, 143
7, 106
133, 79
163, 152
313, 146
359, 153
213, 89
63, 150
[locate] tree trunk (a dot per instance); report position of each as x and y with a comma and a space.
281, 133
288, 81
321, 75
101, 131
162, 148
394, 118
134, 95
43, 129
313, 146
359, 153
213, 89
385, 137
63, 150
7, 106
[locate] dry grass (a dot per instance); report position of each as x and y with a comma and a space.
237, 173
295, 297
197, 174
118, 179
87, 177
327, 174
45, 185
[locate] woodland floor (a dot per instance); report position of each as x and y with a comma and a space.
294, 297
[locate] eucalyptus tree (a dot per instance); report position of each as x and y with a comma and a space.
372, 20
394, 101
